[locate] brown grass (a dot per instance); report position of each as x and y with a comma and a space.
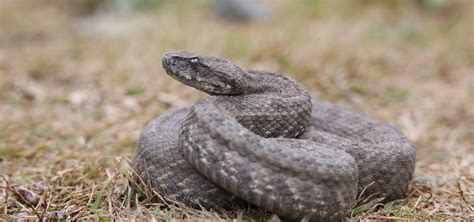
76, 90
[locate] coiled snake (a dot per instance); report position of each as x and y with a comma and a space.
260, 137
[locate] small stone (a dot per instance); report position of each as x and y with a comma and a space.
240, 10
430, 180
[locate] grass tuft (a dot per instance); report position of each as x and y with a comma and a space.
79, 82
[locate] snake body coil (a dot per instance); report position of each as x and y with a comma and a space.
261, 138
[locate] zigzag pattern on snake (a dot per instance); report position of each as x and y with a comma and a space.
259, 137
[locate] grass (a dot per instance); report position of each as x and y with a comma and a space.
78, 88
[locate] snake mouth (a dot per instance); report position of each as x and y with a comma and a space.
202, 84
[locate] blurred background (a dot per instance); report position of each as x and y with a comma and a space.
80, 79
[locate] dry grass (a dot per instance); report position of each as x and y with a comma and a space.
77, 90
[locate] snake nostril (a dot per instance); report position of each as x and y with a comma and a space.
167, 60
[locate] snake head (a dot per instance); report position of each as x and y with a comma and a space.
211, 75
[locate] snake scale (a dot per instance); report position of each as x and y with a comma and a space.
260, 137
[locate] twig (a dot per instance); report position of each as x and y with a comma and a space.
78, 211
365, 189
47, 204
461, 193
5, 208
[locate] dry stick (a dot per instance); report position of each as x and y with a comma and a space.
387, 218
46, 203
417, 202
110, 191
366, 200
129, 190
421, 191
461, 193
458, 185
110, 179
87, 204
149, 191
143, 184
147, 185
109, 201
5, 208
8, 188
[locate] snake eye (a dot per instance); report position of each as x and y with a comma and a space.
194, 60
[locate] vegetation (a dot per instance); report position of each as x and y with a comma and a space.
78, 84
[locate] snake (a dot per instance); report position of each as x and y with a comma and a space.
260, 138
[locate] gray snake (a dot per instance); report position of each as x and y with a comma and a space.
260, 137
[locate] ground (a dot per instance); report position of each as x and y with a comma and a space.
78, 83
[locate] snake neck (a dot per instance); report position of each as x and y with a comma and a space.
268, 104
251, 83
